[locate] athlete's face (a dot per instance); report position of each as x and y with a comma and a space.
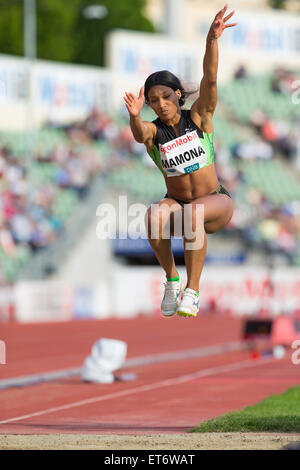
164, 101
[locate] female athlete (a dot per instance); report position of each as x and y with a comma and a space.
180, 143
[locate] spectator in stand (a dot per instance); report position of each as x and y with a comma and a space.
100, 126
252, 150
26, 211
240, 73
269, 131
282, 81
279, 134
78, 172
6, 240
21, 228
258, 119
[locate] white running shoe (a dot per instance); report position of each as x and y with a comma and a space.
170, 300
189, 304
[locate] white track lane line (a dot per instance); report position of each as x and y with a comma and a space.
33, 379
146, 388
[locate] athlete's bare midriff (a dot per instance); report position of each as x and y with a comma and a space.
188, 187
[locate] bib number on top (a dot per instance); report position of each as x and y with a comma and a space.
183, 155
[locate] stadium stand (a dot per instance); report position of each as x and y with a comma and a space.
256, 142
39, 194
269, 163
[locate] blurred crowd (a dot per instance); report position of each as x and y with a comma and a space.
279, 136
27, 215
257, 220
255, 217
100, 126
25, 210
274, 135
282, 80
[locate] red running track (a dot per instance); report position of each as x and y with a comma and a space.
166, 397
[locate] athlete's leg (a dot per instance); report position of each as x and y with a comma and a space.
194, 262
217, 211
160, 225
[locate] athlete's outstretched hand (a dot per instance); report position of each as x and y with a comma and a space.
133, 104
219, 23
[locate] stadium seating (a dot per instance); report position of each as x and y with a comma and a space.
40, 175
129, 170
244, 96
273, 180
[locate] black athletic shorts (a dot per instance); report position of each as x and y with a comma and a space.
220, 190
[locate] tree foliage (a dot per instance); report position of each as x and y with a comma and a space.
63, 33
278, 4
11, 27
55, 29
90, 33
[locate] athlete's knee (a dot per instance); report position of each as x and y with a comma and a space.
228, 213
218, 224
210, 229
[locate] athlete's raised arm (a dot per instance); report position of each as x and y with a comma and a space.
143, 131
205, 105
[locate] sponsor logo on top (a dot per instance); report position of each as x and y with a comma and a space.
173, 144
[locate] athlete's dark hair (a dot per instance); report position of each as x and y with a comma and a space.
166, 78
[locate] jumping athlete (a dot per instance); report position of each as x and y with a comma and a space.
181, 144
